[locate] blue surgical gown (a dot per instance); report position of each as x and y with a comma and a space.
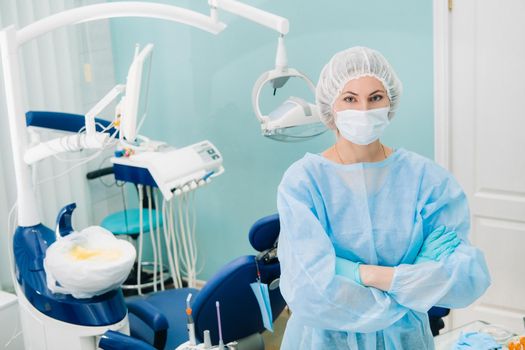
379, 214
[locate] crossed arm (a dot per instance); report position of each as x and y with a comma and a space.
438, 245
318, 294
379, 277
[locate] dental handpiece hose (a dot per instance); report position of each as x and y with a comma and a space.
191, 324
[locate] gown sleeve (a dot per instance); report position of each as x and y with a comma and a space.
317, 296
457, 280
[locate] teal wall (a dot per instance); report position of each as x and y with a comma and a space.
201, 86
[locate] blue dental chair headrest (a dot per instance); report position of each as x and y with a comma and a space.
264, 232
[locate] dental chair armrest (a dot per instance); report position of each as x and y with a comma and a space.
148, 314
112, 340
153, 318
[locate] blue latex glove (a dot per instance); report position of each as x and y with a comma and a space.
476, 341
348, 269
438, 245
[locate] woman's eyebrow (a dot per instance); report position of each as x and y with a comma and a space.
375, 92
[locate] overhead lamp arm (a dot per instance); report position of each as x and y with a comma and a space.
118, 9
267, 19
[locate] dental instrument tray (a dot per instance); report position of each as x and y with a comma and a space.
172, 170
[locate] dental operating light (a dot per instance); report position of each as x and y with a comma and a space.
295, 119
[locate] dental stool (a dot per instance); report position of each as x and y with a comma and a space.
127, 223
240, 314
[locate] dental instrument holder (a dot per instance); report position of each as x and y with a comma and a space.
207, 340
172, 171
191, 344
191, 324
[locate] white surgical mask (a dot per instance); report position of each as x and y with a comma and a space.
362, 127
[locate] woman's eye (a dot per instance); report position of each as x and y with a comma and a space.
349, 99
376, 98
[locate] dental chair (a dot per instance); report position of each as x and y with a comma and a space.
240, 313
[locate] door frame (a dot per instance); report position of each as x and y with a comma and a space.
441, 45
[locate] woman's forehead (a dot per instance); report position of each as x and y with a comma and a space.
363, 84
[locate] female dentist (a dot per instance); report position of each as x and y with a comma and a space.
371, 237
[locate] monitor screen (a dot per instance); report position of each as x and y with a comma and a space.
136, 95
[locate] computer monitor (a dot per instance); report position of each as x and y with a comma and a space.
135, 98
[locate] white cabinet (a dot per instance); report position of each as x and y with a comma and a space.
10, 329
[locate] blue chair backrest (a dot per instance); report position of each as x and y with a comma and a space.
264, 232
240, 313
